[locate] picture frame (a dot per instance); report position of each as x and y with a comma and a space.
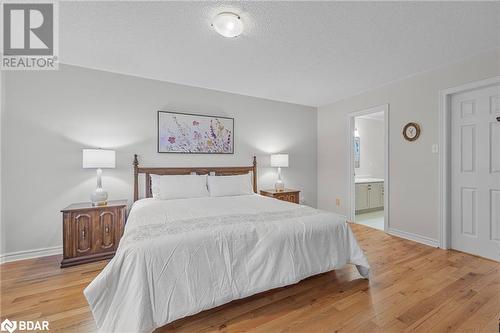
190, 133
357, 152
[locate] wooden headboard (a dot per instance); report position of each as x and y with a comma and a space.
219, 171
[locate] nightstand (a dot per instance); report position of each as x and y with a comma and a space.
285, 195
92, 233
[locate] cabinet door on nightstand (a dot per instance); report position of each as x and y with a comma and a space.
107, 230
362, 197
292, 197
82, 230
282, 197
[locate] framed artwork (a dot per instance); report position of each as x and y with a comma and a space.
357, 152
194, 133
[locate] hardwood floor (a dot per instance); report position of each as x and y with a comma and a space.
412, 287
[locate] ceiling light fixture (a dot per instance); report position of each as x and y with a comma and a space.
228, 24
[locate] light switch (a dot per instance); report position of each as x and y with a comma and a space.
435, 149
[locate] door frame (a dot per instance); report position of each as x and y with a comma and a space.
445, 154
351, 186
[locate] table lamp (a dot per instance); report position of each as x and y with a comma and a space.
98, 159
279, 161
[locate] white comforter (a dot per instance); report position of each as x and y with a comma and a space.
179, 257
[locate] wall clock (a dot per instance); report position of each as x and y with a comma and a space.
411, 131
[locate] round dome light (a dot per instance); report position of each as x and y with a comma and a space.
228, 24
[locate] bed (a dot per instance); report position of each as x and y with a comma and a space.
180, 257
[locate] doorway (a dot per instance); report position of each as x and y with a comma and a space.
368, 142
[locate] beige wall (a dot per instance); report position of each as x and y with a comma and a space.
413, 168
51, 115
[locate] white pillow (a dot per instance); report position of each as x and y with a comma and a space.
179, 186
221, 186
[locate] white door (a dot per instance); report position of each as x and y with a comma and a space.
475, 172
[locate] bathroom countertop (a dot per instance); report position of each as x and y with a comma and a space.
363, 180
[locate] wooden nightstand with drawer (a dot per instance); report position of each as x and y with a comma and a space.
285, 195
92, 233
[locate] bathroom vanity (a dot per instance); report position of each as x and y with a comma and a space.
369, 194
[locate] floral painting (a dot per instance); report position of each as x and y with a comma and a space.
189, 133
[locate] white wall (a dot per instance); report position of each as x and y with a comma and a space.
371, 137
413, 199
50, 116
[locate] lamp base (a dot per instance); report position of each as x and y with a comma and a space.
99, 197
279, 186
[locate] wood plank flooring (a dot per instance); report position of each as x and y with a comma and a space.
413, 288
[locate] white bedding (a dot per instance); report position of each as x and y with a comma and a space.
179, 257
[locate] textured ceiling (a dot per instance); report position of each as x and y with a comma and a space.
310, 53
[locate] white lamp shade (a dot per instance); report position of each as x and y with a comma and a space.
98, 158
279, 160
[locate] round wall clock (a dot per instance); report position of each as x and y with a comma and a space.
411, 131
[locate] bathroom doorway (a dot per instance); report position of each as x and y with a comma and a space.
368, 167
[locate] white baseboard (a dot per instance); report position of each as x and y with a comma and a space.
414, 237
29, 254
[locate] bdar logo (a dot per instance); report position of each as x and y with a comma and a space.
24, 325
8, 325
